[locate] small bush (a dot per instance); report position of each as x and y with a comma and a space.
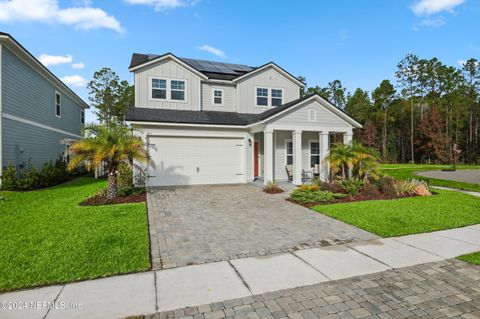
9, 178
272, 188
308, 196
352, 186
311, 188
404, 187
386, 184
370, 189
334, 187
128, 191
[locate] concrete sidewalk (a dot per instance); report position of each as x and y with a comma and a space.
154, 291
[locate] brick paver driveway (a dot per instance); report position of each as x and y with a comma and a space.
200, 224
446, 289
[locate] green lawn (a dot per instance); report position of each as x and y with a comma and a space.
47, 238
471, 258
411, 215
404, 171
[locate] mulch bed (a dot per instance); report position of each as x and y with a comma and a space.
277, 190
98, 200
356, 198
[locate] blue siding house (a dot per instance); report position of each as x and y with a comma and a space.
40, 115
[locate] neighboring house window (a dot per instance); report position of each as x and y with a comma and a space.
177, 91
277, 97
312, 115
314, 153
262, 97
58, 104
289, 152
159, 89
218, 97
82, 116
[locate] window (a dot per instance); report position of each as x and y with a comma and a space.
277, 97
58, 104
289, 152
82, 116
159, 89
314, 153
262, 97
218, 97
177, 91
312, 115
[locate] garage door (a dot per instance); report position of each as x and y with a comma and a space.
195, 160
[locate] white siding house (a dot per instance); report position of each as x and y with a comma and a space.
217, 123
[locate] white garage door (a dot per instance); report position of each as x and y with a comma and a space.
195, 160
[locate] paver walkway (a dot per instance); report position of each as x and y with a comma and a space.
202, 224
461, 175
455, 290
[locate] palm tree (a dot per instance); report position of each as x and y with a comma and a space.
113, 144
356, 157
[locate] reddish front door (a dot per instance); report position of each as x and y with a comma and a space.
255, 159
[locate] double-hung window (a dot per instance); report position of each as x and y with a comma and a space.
217, 97
159, 89
58, 104
289, 152
314, 153
262, 97
177, 90
277, 97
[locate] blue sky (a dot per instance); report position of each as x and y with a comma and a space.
358, 42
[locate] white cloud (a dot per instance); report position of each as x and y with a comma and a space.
48, 60
74, 80
48, 11
462, 62
432, 23
212, 50
428, 7
162, 5
79, 65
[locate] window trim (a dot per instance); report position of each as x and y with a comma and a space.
60, 104
184, 90
168, 88
286, 151
269, 96
310, 152
213, 97
152, 88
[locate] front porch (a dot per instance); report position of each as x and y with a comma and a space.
294, 155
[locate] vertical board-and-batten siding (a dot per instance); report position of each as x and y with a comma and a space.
268, 78
229, 97
29, 96
167, 69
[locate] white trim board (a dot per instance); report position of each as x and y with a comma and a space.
25, 121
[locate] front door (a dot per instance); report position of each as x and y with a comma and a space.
255, 159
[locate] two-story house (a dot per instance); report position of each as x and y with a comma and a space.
40, 115
211, 123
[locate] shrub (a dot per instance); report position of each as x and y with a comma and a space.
312, 188
272, 188
128, 191
352, 186
334, 187
307, 196
386, 184
29, 180
370, 189
404, 187
125, 176
9, 178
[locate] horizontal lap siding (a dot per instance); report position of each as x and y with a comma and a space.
28, 95
39, 144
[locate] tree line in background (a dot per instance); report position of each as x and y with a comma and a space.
431, 116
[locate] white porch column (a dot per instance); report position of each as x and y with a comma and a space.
297, 157
347, 138
267, 156
323, 138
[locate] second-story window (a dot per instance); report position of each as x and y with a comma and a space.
262, 97
218, 97
159, 89
58, 104
82, 117
277, 97
177, 90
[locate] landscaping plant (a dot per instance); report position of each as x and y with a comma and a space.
310, 194
112, 144
361, 161
352, 186
272, 188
